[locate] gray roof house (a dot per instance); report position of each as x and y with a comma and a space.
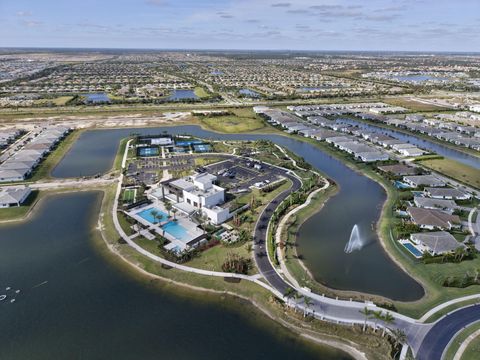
426, 180
436, 242
446, 193
13, 196
439, 204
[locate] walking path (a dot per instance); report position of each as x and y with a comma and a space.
473, 226
161, 260
463, 347
324, 308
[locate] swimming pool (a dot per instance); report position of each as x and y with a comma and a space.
176, 230
172, 227
401, 185
147, 214
413, 250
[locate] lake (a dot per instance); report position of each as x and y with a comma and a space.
77, 303
249, 93
96, 98
322, 238
178, 95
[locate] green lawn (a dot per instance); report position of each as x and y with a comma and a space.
413, 105
48, 164
455, 170
241, 120
213, 258
473, 350
58, 101
459, 339
201, 93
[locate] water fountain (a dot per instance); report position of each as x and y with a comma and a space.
355, 242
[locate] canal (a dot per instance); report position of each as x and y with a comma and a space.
76, 304
322, 239
440, 149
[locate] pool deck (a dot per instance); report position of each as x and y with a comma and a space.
191, 229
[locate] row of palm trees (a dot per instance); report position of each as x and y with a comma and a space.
291, 293
386, 317
157, 216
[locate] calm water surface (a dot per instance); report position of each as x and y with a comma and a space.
182, 94
75, 304
445, 151
322, 238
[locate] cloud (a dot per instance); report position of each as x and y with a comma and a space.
24, 13
282, 4
157, 2
225, 15
32, 23
326, 7
298, 11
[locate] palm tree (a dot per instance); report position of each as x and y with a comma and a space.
296, 296
154, 214
399, 338
367, 313
289, 293
174, 211
308, 302
388, 319
377, 315
168, 207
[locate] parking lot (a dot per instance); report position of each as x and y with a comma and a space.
240, 174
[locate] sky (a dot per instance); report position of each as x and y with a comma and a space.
361, 25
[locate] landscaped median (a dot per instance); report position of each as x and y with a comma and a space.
465, 345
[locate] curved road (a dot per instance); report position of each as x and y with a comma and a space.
428, 341
444, 330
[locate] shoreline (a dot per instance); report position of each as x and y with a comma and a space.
377, 229
356, 354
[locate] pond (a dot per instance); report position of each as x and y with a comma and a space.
322, 239
249, 93
96, 98
178, 95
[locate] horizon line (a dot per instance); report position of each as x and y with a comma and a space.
234, 49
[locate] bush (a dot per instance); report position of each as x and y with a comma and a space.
236, 264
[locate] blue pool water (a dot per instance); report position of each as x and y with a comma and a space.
147, 215
401, 185
176, 230
413, 250
171, 227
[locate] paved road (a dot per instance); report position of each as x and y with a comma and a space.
340, 311
444, 330
260, 235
